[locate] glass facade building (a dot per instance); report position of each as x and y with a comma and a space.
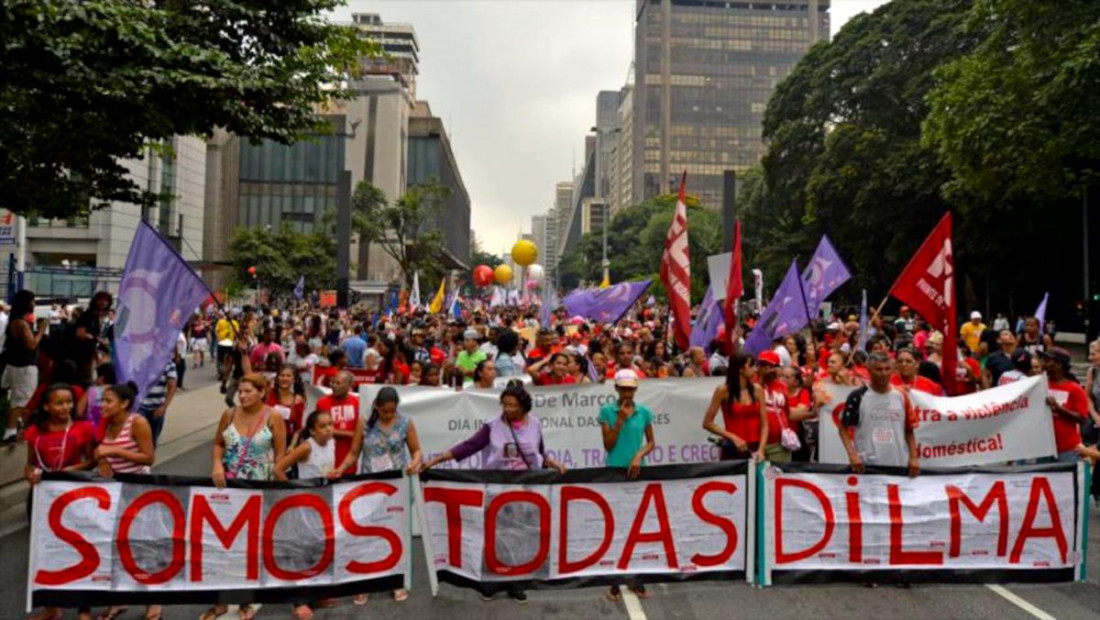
295, 183
724, 61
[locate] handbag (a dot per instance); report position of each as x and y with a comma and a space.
787, 437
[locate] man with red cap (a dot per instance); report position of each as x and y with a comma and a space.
776, 404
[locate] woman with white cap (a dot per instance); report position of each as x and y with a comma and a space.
627, 429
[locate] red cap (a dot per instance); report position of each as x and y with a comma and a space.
769, 357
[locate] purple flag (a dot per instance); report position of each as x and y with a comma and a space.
705, 329
157, 295
300, 289
1041, 311
825, 273
785, 314
606, 305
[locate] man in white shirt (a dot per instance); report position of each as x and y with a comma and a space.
3, 323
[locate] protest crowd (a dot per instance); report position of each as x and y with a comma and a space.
72, 412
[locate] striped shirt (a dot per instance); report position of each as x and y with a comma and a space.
158, 392
125, 441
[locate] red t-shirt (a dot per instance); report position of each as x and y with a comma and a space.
546, 378
776, 404
56, 450
963, 383
294, 418
923, 384
345, 417
1067, 434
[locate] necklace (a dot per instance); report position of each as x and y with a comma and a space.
61, 453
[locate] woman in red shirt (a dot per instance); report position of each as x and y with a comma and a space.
56, 442
287, 399
906, 375
741, 400
558, 373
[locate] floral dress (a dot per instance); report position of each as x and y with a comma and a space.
384, 450
249, 459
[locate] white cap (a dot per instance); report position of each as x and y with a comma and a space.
626, 378
975, 315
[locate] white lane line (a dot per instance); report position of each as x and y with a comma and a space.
1019, 602
633, 605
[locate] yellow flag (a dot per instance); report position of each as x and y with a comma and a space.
606, 281
437, 301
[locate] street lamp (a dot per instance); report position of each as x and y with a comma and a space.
606, 264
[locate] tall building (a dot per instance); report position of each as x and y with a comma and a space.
539, 234
74, 257
430, 156
622, 154
704, 70
607, 128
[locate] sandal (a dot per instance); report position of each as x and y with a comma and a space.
111, 613
640, 591
246, 612
210, 614
400, 595
49, 613
157, 615
360, 599
302, 612
614, 594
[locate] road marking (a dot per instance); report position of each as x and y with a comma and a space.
1019, 602
633, 605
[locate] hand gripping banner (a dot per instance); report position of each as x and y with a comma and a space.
495, 529
822, 523
168, 539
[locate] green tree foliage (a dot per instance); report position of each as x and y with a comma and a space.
403, 230
1018, 120
281, 258
636, 241
844, 153
89, 83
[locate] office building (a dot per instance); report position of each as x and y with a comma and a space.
621, 174
430, 156
704, 70
76, 256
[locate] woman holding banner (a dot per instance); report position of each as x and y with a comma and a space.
512, 441
249, 440
741, 401
125, 447
386, 441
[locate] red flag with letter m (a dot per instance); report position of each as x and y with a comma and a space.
676, 271
927, 285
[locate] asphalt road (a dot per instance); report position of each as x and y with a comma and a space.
685, 601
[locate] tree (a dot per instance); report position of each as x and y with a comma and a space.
1018, 119
636, 241
281, 258
87, 84
403, 230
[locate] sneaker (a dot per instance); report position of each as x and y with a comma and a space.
10, 435
518, 596
486, 597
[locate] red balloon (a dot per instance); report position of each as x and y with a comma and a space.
483, 276
252, 271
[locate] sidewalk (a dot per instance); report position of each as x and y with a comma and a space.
190, 423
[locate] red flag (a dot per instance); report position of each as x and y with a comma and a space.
676, 270
927, 285
735, 288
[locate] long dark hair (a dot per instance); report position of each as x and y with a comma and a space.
311, 421
733, 376
385, 395
298, 388
41, 416
126, 392
22, 304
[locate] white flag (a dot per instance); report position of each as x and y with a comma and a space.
414, 297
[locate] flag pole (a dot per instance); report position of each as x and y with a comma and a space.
809, 319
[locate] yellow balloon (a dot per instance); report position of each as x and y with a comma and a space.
503, 274
525, 252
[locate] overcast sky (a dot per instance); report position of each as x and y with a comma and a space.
515, 82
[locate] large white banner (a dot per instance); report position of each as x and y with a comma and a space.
1000, 425
837, 521
681, 522
121, 538
569, 416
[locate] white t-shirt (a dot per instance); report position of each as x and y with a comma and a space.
784, 355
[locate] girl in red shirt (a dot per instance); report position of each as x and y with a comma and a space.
907, 377
287, 398
57, 442
558, 373
741, 401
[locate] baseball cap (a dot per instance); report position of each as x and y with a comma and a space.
976, 315
1057, 354
769, 357
626, 378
